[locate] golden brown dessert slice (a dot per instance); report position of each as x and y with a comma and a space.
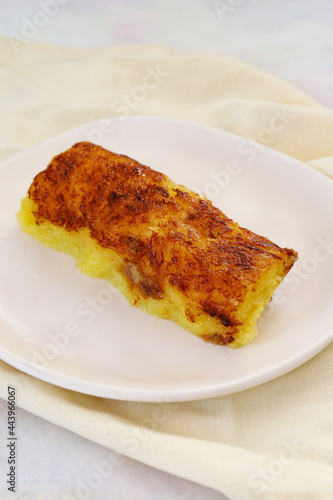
169, 251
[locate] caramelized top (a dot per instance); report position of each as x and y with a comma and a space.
165, 234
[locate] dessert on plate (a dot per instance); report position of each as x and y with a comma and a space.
167, 249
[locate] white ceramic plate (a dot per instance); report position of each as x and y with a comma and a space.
79, 333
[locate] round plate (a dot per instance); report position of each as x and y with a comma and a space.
80, 333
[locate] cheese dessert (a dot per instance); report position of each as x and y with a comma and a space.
167, 249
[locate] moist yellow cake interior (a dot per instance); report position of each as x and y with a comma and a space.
98, 262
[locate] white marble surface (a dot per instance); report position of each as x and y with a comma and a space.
292, 40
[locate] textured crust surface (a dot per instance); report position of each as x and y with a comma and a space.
170, 240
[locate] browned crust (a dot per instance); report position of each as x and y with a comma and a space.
173, 237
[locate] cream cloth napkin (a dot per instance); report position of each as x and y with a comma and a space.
271, 442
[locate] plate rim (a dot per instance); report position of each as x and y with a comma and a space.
173, 395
